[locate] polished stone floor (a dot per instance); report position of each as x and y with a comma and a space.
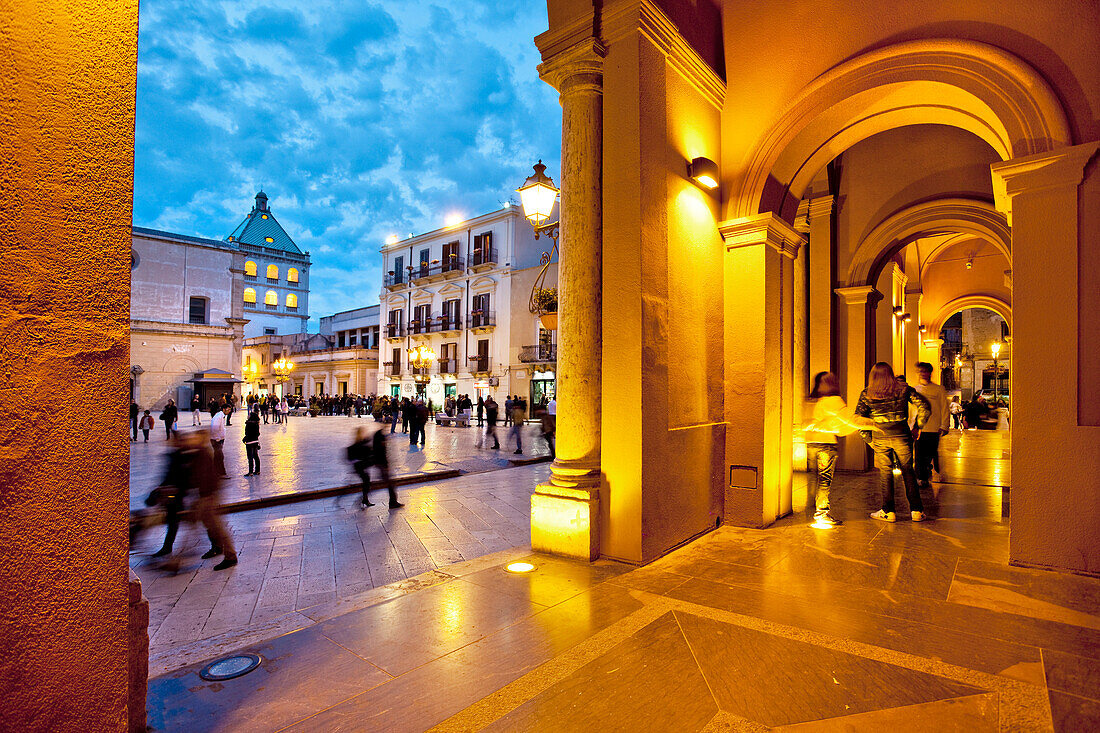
867, 626
309, 453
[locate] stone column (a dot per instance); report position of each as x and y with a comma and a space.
759, 300
854, 317
565, 510
821, 278
911, 334
1055, 515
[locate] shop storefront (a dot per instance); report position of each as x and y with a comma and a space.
543, 388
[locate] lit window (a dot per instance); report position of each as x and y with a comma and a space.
264, 216
272, 272
249, 295
291, 300
269, 239
271, 298
250, 268
292, 275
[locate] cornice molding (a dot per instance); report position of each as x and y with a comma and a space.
767, 229
856, 295
1040, 172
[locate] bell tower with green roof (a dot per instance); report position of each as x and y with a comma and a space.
276, 274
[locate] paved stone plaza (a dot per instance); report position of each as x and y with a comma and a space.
308, 452
866, 626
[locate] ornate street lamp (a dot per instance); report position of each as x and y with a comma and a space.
538, 194
282, 368
421, 358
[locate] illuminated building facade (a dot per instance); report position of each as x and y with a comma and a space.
464, 291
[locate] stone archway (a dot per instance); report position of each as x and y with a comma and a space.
962, 216
965, 84
998, 306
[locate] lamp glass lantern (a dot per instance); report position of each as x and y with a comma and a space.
538, 194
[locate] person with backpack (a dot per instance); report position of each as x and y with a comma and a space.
168, 417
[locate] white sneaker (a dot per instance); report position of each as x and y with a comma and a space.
884, 516
918, 516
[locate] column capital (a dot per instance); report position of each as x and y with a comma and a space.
1054, 169
766, 229
856, 295
900, 277
577, 67
811, 209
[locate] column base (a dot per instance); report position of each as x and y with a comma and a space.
565, 512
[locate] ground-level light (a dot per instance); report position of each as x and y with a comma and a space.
519, 567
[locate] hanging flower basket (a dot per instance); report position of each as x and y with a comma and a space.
549, 321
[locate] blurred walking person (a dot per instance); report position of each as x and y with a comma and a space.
828, 419
549, 421
207, 484
886, 401
491, 413
217, 438
369, 449
134, 410
252, 441
518, 416
174, 488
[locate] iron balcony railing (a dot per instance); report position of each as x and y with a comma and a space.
271, 307
394, 278
537, 353
435, 267
250, 277
481, 319
423, 371
443, 323
393, 370
418, 326
394, 330
448, 366
483, 256
479, 364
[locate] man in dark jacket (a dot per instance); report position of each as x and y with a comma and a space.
168, 417
134, 412
417, 421
491, 412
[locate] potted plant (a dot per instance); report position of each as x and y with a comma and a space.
546, 300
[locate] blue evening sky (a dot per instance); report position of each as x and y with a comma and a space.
359, 120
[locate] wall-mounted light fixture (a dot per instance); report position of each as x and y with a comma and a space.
906, 317
898, 311
922, 328
704, 172
970, 262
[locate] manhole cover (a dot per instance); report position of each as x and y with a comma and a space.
230, 667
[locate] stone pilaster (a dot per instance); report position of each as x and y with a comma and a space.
911, 334
854, 317
1054, 367
759, 304
565, 510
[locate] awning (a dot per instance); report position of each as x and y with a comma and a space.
214, 376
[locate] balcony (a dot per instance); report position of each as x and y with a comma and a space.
391, 369
538, 354
418, 327
421, 374
394, 331
481, 321
273, 280
435, 270
448, 366
271, 306
479, 365
292, 309
444, 324
395, 280
483, 258
250, 277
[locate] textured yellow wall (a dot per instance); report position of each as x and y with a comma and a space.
68, 74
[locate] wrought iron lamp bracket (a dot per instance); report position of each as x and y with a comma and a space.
550, 230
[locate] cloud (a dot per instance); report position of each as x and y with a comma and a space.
358, 120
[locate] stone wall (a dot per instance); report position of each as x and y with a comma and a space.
67, 162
